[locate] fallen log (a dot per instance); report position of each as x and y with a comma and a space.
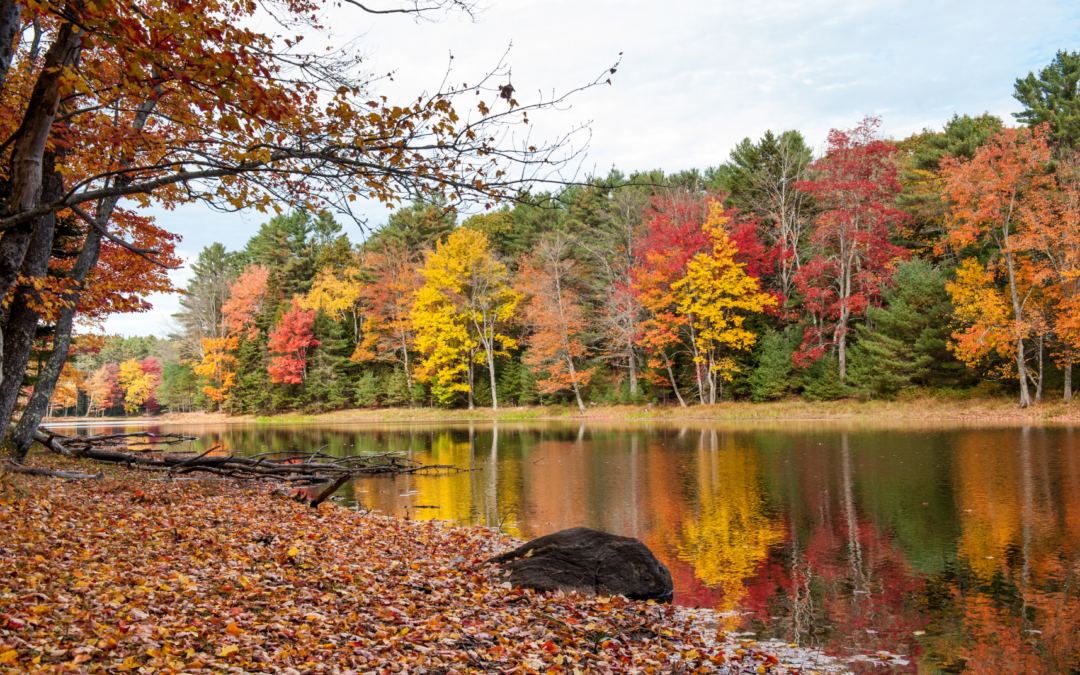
330, 489
47, 439
69, 475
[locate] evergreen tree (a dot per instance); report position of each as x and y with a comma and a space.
508, 383
771, 378
527, 393
415, 228
1052, 98
368, 390
906, 342
397, 389
821, 381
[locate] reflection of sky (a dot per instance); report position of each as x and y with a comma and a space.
697, 77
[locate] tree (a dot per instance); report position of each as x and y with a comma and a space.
717, 294
389, 297
217, 369
1053, 230
464, 306
139, 383
104, 389
1052, 98
986, 318
339, 293
555, 317
854, 185
761, 179
178, 388
920, 176
771, 378
201, 304
675, 235
989, 193
246, 298
290, 341
904, 342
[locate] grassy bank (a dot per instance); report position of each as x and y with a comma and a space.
917, 409
132, 574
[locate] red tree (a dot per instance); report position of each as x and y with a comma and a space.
246, 297
290, 340
855, 185
152, 368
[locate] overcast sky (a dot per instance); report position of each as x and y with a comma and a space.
696, 77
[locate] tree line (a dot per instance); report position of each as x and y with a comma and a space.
946, 261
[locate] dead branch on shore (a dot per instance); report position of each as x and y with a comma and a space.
12, 467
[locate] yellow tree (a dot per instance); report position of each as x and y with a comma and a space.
716, 295
138, 384
983, 311
463, 308
339, 293
217, 367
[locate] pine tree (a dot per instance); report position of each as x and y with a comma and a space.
397, 389
508, 382
368, 390
772, 377
821, 381
907, 343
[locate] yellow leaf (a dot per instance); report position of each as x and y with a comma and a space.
10, 656
293, 552
228, 650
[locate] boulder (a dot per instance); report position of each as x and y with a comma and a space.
589, 562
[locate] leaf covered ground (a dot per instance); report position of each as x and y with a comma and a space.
131, 574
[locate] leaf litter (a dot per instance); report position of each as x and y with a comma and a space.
132, 575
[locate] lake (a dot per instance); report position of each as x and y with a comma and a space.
956, 545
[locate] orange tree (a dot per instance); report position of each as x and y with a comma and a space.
555, 317
990, 196
176, 100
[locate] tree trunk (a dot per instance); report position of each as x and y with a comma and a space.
23, 434
1039, 384
491, 372
1018, 311
674, 384
632, 362
28, 151
573, 380
22, 319
472, 406
1068, 382
10, 25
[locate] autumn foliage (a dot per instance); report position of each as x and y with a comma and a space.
289, 342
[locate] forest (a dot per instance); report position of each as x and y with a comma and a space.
946, 263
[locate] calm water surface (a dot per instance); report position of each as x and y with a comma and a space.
958, 546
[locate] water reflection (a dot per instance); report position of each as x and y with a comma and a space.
959, 547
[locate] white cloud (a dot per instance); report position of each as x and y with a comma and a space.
697, 77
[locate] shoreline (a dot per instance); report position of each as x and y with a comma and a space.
131, 572
923, 410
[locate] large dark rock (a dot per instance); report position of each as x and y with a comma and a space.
590, 562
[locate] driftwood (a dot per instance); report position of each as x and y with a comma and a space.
70, 475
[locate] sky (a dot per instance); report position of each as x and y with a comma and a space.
696, 77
